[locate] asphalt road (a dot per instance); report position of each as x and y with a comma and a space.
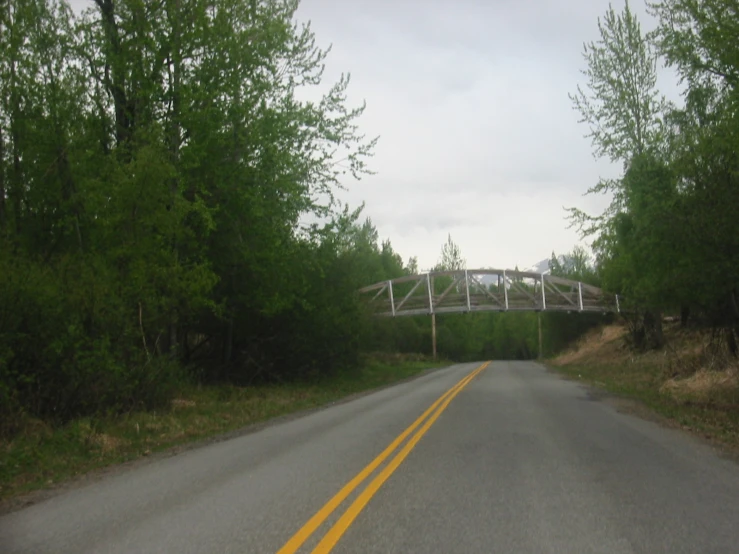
516, 460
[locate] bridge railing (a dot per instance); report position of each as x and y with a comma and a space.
475, 290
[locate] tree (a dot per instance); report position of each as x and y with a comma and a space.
624, 112
576, 265
156, 168
698, 38
620, 104
411, 267
451, 257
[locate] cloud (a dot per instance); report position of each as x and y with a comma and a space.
477, 135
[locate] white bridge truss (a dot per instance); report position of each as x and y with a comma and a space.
477, 290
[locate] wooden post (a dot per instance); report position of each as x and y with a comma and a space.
433, 334
430, 287
541, 354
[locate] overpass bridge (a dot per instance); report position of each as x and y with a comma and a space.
480, 290
475, 290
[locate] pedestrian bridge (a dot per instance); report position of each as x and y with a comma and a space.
478, 290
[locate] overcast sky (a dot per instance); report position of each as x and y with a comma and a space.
478, 138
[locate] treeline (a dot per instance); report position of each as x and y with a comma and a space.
157, 172
669, 240
466, 337
490, 335
157, 166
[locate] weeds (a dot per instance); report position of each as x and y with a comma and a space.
694, 381
41, 456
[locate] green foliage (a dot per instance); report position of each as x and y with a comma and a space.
488, 335
156, 168
620, 104
506, 335
451, 257
698, 38
412, 266
576, 265
43, 454
67, 350
667, 241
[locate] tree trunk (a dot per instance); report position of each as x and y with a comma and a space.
69, 190
228, 341
731, 342
541, 349
15, 190
173, 344
174, 139
2, 182
117, 84
433, 335
653, 329
659, 337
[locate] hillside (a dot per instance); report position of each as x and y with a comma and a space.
693, 382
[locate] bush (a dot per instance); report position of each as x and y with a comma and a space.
67, 348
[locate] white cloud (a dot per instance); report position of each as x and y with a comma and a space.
478, 136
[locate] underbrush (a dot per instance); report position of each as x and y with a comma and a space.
41, 455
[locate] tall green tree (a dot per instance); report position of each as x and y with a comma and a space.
697, 39
624, 112
412, 265
156, 168
576, 265
619, 103
451, 256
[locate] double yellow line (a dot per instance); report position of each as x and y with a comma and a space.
339, 528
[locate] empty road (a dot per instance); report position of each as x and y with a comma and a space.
504, 457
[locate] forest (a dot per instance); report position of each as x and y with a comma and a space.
486, 335
668, 239
168, 208
157, 169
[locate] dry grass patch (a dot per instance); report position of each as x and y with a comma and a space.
602, 343
692, 381
183, 403
107, 443
704, 386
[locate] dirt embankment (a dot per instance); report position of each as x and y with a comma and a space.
594, 345
693, 380
694, 363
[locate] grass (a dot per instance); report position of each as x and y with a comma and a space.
709, 411
43, 456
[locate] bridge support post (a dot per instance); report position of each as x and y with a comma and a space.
433, 334
540, 355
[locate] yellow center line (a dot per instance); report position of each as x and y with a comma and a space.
339, 528
297, 540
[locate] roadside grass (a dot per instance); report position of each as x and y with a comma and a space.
704, 402
43, 456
